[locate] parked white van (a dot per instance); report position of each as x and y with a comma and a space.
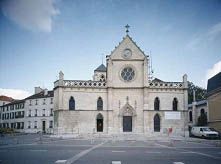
204, 132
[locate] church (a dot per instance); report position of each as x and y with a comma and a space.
121, 98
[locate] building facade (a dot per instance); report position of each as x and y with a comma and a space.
39, 111
214, 101
31, 115
195, 110
12, 115
121, 98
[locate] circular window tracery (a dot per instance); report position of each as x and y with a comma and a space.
127, 74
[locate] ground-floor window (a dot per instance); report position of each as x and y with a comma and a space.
36, 125
29, 124
156, 123
51, 124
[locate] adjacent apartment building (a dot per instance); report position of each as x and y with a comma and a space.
30, 115
39, 111
12, 115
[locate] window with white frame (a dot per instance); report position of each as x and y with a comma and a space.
44, 102
29, 124
51, 112
36, 112
51, 124
43, 112
29, 113
36, 125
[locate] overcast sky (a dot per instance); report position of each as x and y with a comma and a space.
40, 38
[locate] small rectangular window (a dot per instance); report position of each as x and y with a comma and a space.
43, 112
36, 125
51, 124
44, 102
51, 112
29, 124
36, 112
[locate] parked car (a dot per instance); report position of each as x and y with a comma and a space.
204, 132
217, 132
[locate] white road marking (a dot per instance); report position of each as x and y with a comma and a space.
60, 161
178, 163
39, 150
118, 151
81, 154
203, 154
153, 152
116, 162
187, 152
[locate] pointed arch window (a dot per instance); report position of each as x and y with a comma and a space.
175, 104
99, 121
190, 116
71, 103
99, 104
156, 120
157, 104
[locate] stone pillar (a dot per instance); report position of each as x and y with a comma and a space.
185, 103
110, 123
61, 78
145, 105
194, 115
145, 75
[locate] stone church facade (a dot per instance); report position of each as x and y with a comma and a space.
121, 98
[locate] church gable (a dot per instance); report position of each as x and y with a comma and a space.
127, 50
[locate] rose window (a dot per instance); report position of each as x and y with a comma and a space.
127, 74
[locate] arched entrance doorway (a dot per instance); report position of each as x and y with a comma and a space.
157, 123
99, 123
127, 113
127, 123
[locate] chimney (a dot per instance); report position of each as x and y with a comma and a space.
38, 90
45, 92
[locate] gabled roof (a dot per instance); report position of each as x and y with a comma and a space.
101, 68
127, 36
214, 84
14, 102
41, 95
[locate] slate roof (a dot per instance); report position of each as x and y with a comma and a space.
101, 68
41, 95
157, 80
14, 102
198, 103
214, 84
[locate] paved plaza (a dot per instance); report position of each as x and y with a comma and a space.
36, 149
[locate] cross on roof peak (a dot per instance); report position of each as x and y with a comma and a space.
127, 28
